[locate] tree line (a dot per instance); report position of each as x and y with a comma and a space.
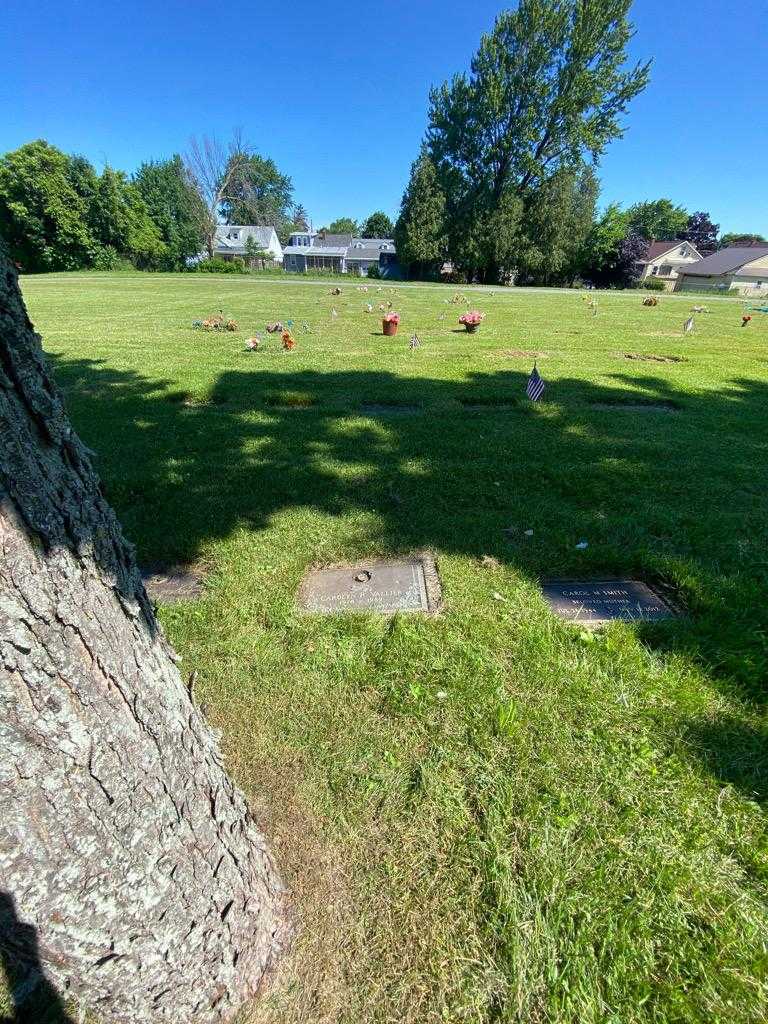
505, 187
58, 213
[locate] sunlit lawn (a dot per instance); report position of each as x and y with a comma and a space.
486, 816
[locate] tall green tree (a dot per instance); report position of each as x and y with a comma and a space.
547, 89
173, 206
121, 222
555, 226
300, 218
45, 200
658, 219
343, 226
378, 225
259, 193
602, 256
420, 237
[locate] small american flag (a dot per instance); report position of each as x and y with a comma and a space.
535, 387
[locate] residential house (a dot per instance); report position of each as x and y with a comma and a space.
231, 240
741, 269
341, 254
665, 260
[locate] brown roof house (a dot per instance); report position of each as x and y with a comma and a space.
740, 269
665, 260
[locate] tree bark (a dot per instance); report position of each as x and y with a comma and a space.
122, 840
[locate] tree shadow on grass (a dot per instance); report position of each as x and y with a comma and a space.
464, 467
35, 1000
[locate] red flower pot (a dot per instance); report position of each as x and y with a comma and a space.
389, 328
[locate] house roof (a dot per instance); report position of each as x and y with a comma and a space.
369, 248
315, 250
759, 272
357, 249
726, 260
323, 241
657, 249
261, 235
364, 252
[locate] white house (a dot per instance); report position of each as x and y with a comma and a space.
341, 254
231, 241
665, 260
741, 269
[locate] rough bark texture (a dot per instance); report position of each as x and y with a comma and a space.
122, 841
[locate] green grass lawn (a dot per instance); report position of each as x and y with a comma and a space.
485, 816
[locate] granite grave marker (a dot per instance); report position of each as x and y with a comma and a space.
593, 602
402, 585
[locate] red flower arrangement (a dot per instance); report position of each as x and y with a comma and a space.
472, 320
390, 322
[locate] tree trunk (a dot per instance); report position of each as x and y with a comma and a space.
122, 841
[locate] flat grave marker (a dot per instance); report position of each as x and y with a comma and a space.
390, 409
594, 602
668, 407
172, 585
396, 585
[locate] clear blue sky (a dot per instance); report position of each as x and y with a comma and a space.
336, 92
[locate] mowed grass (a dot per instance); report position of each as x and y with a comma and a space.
485, 816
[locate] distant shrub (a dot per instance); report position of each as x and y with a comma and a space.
653, 284
220, 266
105, 257
374, 272
449, 277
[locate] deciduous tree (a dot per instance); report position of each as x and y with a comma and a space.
603, 257
122, 841
378, 225
343, 226
44, 208
658, 219
173, 206
701, 232
259, 193
215, 171
121, 222
547, 89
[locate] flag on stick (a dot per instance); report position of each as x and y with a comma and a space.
535, 388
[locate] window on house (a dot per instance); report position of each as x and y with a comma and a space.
654, 270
